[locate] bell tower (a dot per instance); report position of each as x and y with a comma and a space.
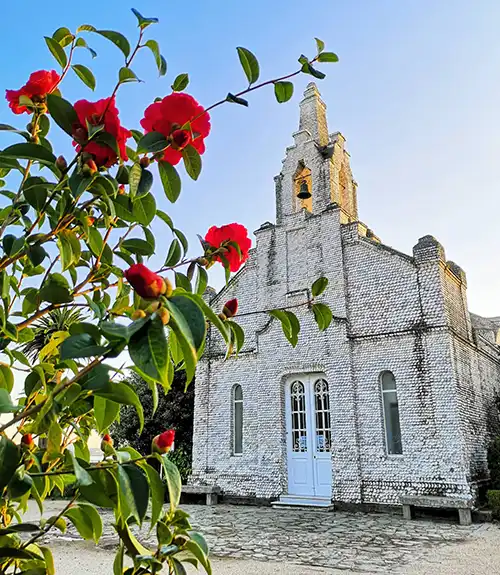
316, 171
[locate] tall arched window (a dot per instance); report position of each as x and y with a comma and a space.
237, 420
391, 413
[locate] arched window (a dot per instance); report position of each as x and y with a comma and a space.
391, 413
237, 420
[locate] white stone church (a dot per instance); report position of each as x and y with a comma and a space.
397, 396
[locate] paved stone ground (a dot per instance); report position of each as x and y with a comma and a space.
354, 542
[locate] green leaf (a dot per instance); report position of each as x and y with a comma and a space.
138, 246
309, 69
157, 492
36, 254
320, 45
192, 161
328, 57
57, 51
104, 491
152, 142
211, 315
11, 246
20, 484
10, 457
183, 282
148, 349
127, 75
63, 36
85, 75
86, 520
29, 151
49, 560
80, 42
95, 241
237, 336
118, 561
56, 290
62, 112
180, 83
6, 378
69, 248
249, 64
118, 40
144, 209
143, 23
283, 91
105, 412
178, 567
80, 345
319, 286
201, 281
188, 323
140, 489
155, 49
145, 183
122, 393
236, 100
198, 552
323, 315
83, 478
174, 254
173, 479
289, 323
170, 180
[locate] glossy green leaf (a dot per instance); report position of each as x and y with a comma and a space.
328, 57
319, 286
237, 336
198, 552
155, 49
192, 161
83, 478
104, 491
36, 254
148, 349
210, 315
127, 75
183, 281
10, 457
106, 412
323, 315
143, 23
80, 42
63, 36
6, 378
236, 100
80, 345
174, 254
144, 209
157, 492
201, 280
57, 51
152, 142
173, 479
20, 484
118, 40
49, 560
118, 561
29, 151
289, 324
86, 520
122, 393
56, 289
320, 45
283, 91
62, 112
170, 180
69, 248
145, 183
11, 246
180, 83
138, 246
140, 489
85, 75
249, 64
309, 69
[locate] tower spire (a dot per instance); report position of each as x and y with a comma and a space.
313, 115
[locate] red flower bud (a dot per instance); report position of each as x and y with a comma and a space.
61, 163
27, 442
230, 308
144, 161
145, 282
121, 189
180, 139
163, 443
79, 134
107, 444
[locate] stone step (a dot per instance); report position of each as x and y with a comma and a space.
299, 501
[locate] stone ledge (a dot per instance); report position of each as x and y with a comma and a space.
437, 502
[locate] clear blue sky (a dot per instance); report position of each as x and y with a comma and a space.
416, 94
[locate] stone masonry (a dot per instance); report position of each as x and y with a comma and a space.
391, 311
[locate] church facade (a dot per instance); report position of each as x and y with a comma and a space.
396, 397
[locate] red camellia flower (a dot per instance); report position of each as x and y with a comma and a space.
237, 233
146, 283
169, 115
163, 443
37, 87
97, 113
230, 308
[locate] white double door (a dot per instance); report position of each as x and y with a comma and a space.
309, 436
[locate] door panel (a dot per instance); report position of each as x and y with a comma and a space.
309, 437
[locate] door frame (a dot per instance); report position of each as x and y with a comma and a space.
308, 379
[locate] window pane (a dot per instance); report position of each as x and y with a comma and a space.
238, 393
391, 419
322, 406
388, 381
298, 413
238, 426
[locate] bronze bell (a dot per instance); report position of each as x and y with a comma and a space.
304, 193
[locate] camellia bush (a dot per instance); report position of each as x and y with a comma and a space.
75, 233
